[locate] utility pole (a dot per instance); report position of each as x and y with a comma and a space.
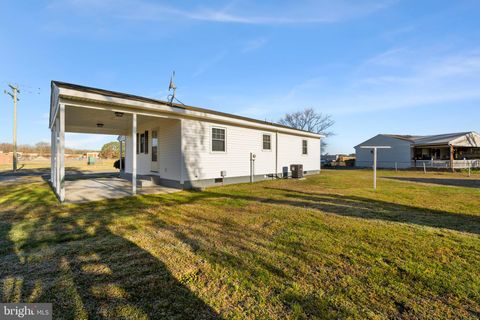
14, 95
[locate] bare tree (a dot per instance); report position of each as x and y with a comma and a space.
310, 120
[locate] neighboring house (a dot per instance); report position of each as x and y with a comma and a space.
453, 150
178, 145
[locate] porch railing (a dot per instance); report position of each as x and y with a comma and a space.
445, 164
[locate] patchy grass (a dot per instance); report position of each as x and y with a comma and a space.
324, 247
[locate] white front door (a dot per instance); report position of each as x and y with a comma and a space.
154, 153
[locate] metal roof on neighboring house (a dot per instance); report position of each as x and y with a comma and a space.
439, 138
402, 137
460, 139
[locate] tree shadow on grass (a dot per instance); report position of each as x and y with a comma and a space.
86, 270
466, 183
354, 206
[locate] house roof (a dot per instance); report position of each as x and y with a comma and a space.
121, 95
459, 139
402, 137
466, 139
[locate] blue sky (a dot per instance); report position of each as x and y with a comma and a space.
407, 67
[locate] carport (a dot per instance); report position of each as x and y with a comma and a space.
74, 110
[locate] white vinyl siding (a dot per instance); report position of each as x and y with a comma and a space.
198, 160
201, 163
169, 138
290, 152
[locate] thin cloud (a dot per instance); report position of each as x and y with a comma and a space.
396, 79
254, 44
405, 79
246, 12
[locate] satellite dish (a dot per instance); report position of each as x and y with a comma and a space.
172, 84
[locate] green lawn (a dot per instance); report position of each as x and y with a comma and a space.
103, 165
324, 247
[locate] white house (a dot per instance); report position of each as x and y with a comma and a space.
178, 145
451, 150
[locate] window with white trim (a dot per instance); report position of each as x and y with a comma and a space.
304, 147
218, 139
267, 142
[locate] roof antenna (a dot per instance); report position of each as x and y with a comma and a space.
173, 87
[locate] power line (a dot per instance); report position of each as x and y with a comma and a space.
14, 95
26, 88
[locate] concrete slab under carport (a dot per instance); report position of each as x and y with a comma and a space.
102, 188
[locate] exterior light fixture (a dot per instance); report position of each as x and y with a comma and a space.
99, 125
119, 114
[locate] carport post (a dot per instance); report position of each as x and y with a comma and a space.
57, 156
53, 153
121, 152
134, 153
62, 152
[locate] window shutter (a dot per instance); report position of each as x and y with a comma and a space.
138, 144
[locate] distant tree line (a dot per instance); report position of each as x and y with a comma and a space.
42, 148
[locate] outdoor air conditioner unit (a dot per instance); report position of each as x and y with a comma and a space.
297, 170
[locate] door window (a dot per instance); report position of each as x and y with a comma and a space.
154, 145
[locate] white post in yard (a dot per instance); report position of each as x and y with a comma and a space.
375, 161
134, 153
424, 168
469, 166
396, 167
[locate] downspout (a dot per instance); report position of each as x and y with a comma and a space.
276, 155
320, 166
182, 156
